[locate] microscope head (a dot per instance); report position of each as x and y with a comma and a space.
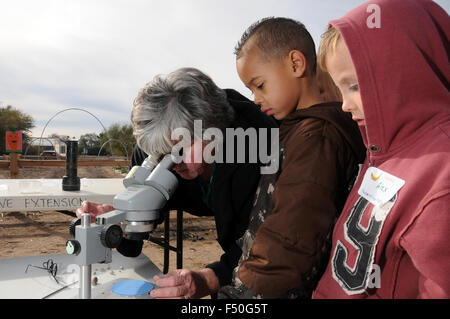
148, 188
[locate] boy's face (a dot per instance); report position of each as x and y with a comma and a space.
341, 68
274, 86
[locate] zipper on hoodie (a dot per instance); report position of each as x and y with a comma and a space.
369, 159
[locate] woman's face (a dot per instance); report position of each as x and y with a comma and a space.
193, 164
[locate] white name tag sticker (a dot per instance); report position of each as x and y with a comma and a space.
378, 187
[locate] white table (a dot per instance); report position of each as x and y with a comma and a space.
47, 194
38, 283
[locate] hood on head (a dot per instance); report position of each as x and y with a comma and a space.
402, 67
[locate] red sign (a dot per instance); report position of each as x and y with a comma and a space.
13, 142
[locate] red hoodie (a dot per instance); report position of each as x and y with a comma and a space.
401, 249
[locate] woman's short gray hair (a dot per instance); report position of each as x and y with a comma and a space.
174, 101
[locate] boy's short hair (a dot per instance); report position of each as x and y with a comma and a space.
327, 45
276, 37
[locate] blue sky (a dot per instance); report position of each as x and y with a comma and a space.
97, 54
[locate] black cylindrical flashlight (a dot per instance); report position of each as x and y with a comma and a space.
71, 182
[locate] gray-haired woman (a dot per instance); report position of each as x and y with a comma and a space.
221, 189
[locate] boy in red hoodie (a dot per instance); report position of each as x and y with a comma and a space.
389, 59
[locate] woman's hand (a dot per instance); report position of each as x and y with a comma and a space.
94, 209
185, 284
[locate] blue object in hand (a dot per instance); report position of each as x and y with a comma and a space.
132, 288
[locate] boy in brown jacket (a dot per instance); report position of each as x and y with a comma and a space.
286, 246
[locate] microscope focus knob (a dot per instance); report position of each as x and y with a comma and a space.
111, 236
73, 224
73, 247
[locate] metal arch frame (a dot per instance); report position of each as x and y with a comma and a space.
34, 139
110, 140
113, 140
39, 153
69, 109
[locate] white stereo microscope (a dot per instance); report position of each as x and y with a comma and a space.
137, 208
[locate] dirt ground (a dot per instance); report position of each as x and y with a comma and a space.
37, 233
